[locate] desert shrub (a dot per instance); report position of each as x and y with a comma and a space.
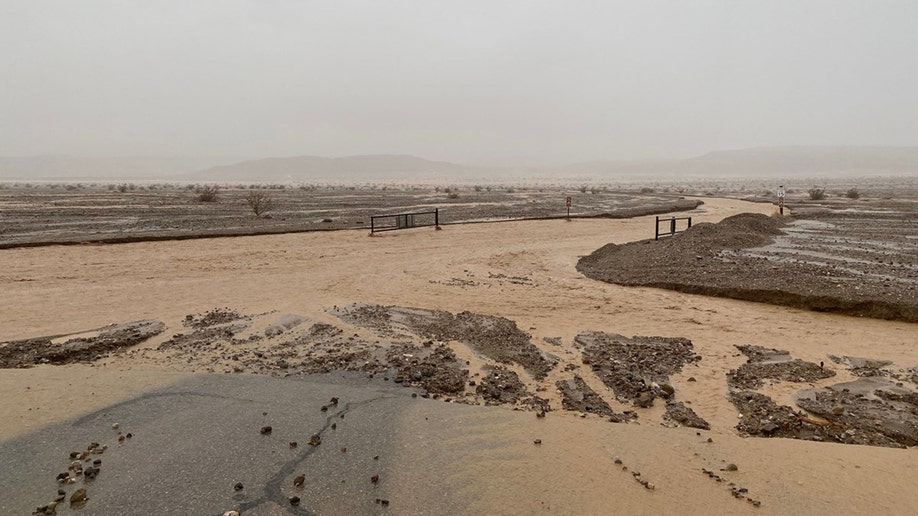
816, 193
477, 188
852, 193
208, 193
260, 203
452, 195
70, 188
583, 189
646, 189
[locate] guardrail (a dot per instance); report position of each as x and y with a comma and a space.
418, 219
672, 226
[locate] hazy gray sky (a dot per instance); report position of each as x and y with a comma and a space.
471, 81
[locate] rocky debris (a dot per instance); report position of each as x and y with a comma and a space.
501, 386
206, 338
577, 396
735, 491
760, 416
861, 420
678, 413
299, 480
215, 317
863, 367
42, 350
867, 411
265, 430
773, 364
637, 369
437, 370
494, 337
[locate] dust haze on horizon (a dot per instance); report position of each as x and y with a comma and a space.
473, 82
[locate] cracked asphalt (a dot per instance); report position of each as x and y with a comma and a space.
195, 440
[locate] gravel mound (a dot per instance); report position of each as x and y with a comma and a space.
810, 271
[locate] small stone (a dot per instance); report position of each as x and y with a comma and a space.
710, 440
691, 379
91, 473
618, 461
266, 430
238, 487
231, 513
537, 441
121, 438
650, 485
730, 467
61, 477
315, 440
97, 462
344, 449
115, 426
376, 457
374, 479
129, 435
385, 503
334, 426
294, 500
78, 496
293, 444
299, 480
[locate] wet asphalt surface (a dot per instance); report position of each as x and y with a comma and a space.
195, 440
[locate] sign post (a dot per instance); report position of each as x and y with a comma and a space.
781, 194
568, 208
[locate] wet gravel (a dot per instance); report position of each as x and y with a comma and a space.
834, 263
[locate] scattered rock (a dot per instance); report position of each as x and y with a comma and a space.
678, 413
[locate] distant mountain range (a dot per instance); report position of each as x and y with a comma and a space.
382, 167
803, 161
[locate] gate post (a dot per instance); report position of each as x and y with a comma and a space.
656, 229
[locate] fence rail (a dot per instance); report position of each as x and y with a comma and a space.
418, 219
672, 226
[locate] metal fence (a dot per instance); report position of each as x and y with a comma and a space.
671, 222
379, 223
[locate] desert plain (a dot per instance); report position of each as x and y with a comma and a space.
481, 371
